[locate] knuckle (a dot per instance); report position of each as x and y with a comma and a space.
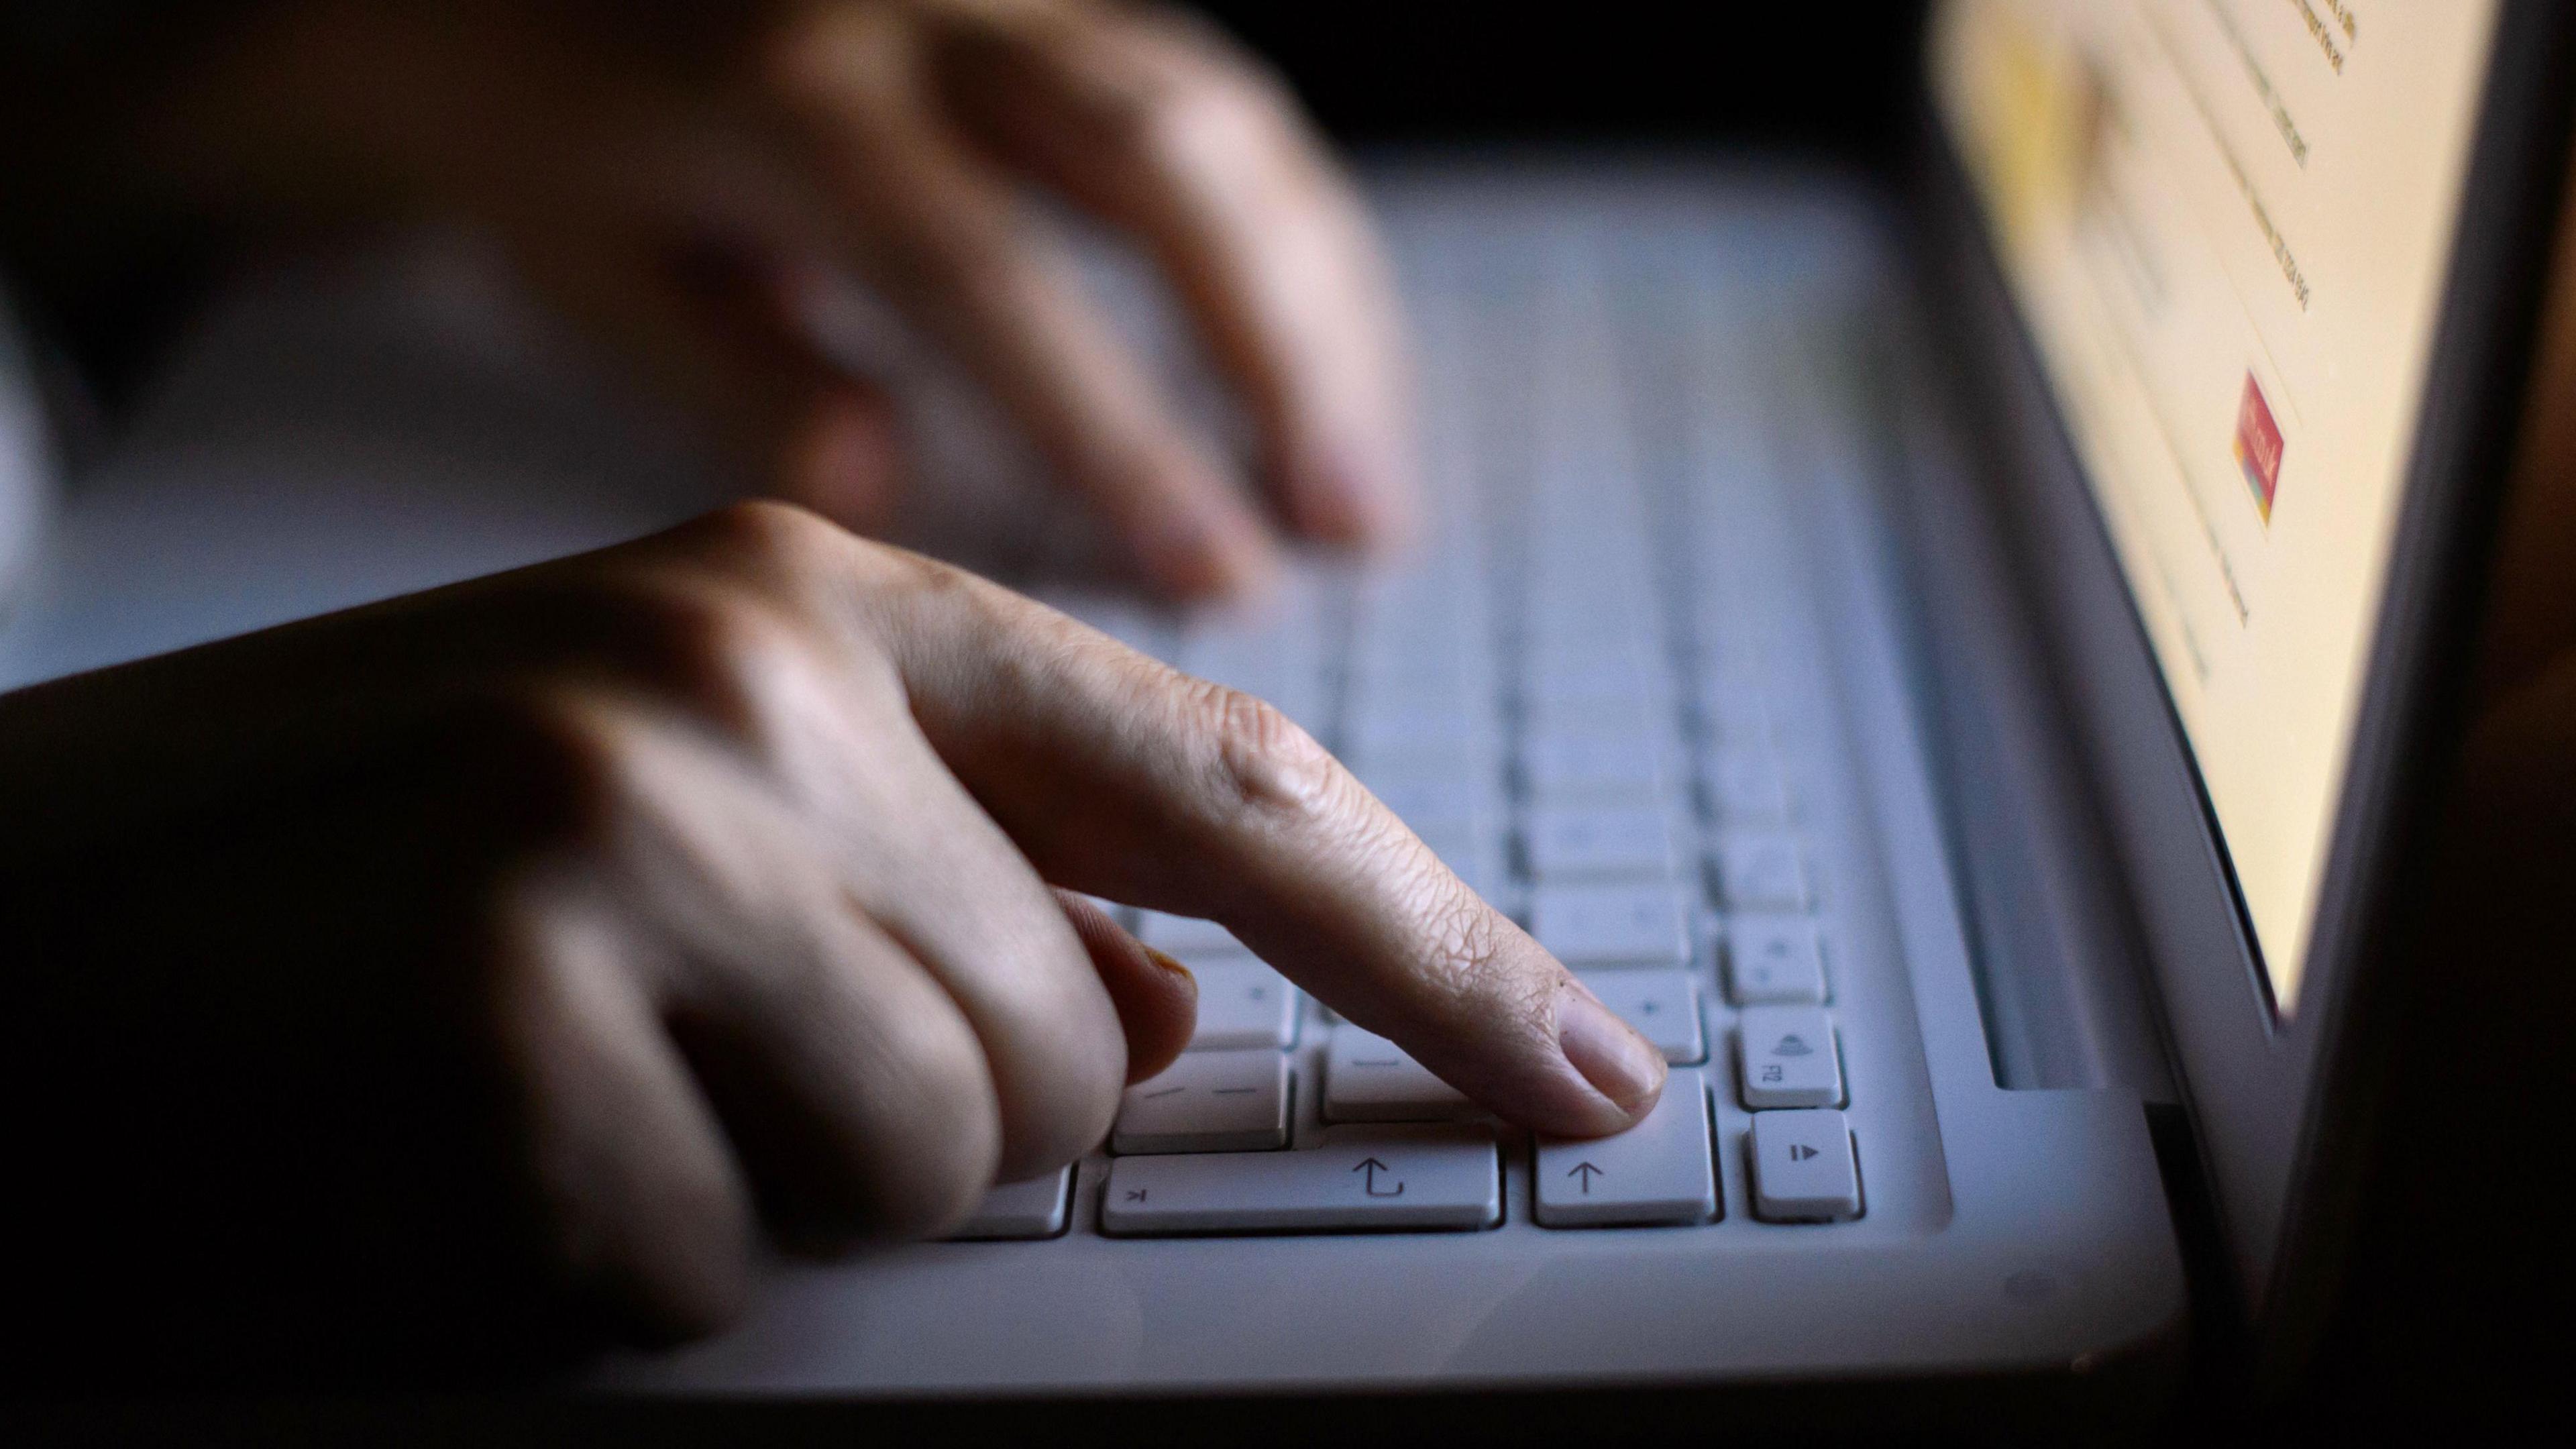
770, 541
565, 763
1259, 761
722, 652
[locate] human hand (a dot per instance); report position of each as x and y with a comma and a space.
684, 185
550, 940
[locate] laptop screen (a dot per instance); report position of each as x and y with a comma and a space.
2227, 225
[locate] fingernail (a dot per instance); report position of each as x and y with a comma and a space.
1172, 965
1607, 1051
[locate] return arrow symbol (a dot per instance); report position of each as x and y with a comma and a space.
1373, 1167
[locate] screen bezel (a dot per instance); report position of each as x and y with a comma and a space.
2267, 1092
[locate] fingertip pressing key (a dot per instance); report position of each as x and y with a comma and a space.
1608, 1053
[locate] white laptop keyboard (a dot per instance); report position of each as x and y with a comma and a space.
1568, 695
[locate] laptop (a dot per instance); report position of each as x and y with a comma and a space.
1948, 658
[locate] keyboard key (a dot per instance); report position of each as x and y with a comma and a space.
1598, 843
1658, 1171
1581, 714
1787, 1057
1411, 729
1805, 1168
1573, 647
1387, 1178
1187, 936
1617, 765
1733, 712
1662, 1005
1031, 1209
1728, 650
1370, 1079
1465, 848
1774, 960
1611, 925
1388, 674
1421, 801
1208, 1102
1274, 649
1761, 873
1744, 787
1243, 1003
1591, 675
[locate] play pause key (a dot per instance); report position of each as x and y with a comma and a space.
1804, 1168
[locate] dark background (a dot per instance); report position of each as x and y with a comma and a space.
1816, 76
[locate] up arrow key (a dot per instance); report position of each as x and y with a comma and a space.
1658, 1171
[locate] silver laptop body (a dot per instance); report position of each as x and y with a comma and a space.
1724, 670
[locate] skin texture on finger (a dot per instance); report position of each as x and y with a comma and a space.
1123, 778
931, 225
1159, 127
1157, 997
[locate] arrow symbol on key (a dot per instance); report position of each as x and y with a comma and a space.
1587, 1172
1373, 1167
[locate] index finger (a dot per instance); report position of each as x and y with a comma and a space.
1120, 777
